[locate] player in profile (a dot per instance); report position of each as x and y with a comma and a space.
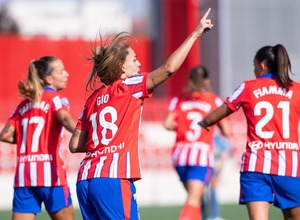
270, 167
109, 124
36, 127
193, 151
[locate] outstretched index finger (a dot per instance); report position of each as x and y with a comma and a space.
206, 14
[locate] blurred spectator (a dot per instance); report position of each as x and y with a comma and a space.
7, 24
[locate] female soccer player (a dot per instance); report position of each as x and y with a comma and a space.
108, 126
193, 151
36, 126
270, 168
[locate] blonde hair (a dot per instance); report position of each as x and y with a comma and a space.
38, 71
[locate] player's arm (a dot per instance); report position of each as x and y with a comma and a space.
77, 141
176, 59
8, 134
66, 120
224, 127
215, 116
169, 122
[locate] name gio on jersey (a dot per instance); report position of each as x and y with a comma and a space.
102, 99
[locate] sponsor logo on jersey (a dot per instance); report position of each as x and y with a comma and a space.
35, 158
255, 145
107, 150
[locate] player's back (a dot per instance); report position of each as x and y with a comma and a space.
192, 109
38, 136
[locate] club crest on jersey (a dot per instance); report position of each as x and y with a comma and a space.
255, 145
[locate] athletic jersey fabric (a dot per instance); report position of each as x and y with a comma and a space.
194, 144
111, 118
38, 138
272, 114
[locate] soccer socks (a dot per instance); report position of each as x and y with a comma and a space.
190, 212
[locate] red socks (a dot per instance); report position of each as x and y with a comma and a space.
190, 213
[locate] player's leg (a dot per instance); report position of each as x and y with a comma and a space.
287, 196
66, 213
196, 179
26, 203
291, 214
22, 216
257, 194
85, 203
258, 210
114, 198
58, 202
191, 209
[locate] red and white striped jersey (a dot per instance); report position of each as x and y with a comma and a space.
38, 138
111, 118
272, 114
194, 144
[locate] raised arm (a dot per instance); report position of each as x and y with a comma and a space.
176, 59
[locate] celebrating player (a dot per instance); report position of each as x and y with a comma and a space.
108, 126
36, 126
270, 168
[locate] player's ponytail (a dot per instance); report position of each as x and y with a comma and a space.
283, 65
37, 72
277, 61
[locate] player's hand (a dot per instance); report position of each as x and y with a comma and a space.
203, 125
204, 25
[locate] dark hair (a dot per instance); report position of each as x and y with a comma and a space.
108, 59
37, 72
277, 61
197, 77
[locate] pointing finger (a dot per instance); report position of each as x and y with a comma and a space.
206, 14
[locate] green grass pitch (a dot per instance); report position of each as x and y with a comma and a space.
228, 212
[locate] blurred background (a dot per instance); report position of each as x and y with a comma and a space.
30, 29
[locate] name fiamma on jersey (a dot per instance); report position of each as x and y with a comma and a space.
41, 105
273, 90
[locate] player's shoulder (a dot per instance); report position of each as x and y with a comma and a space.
93, 95
50, 94
22, 103
133, 80
296, 84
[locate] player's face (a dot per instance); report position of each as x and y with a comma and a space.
257, 68
59, 76
131, 65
